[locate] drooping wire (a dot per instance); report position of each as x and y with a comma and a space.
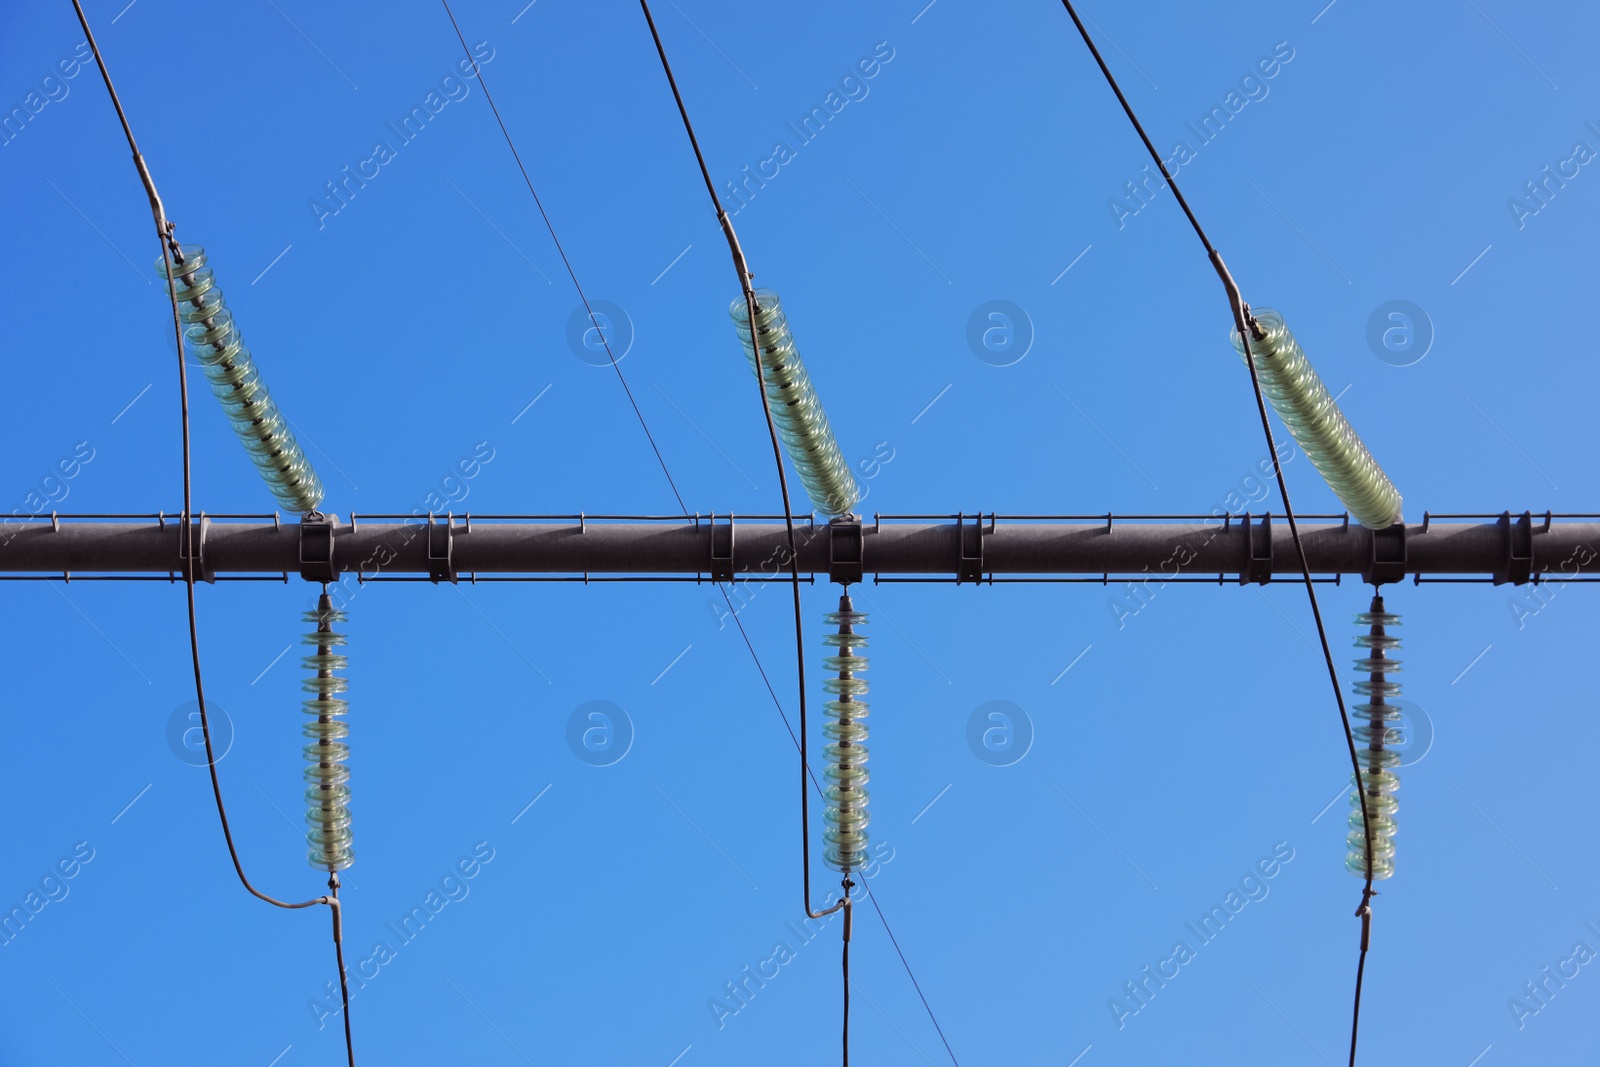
788, 514
170, 250
1248, 329
741, 268
844, 965
548, 225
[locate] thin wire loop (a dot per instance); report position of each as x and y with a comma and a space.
742, 268
1248, 329
169, 251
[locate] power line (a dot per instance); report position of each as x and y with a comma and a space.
478, 71
788, 516
1247, 328
169, 252
741, 268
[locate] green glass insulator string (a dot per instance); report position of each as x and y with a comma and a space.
801, 422
1318, 426
213, 339
845, 838
1377, 736
328, 775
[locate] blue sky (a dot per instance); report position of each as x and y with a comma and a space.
1177, 753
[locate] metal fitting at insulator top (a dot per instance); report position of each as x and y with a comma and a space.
214, 340
1375, 741
846, 730
1292, 386
796, 411
328, 776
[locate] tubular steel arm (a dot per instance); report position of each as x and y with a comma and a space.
971, 548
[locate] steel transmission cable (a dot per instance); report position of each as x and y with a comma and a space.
164, 233
741, 267
1247, 329
565, 262
550, 227
799, 742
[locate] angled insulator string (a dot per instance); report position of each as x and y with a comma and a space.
801, 422
1249, 329
172, 259
214, 340
1318, 426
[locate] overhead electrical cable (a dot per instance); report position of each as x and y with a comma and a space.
833, 490
1248, 329
548, 225
844, 903
171, 251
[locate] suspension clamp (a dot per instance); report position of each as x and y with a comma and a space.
721, 551
1388, 562
316, 547
846, 545
441, 550
1258, 567
203, 571
1516, 558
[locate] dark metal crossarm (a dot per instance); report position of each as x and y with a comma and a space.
1514, 548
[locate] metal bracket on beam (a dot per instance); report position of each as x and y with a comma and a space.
441, 550
969, 564
1258, 536
722, 550
1389, 561
316, 547
200, 528
1517, 557
846, 543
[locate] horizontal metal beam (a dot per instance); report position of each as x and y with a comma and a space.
1503, 548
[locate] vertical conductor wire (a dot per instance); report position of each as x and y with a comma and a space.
170, 253
1249, 331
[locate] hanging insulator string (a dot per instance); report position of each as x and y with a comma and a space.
1372, 822
328, 776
